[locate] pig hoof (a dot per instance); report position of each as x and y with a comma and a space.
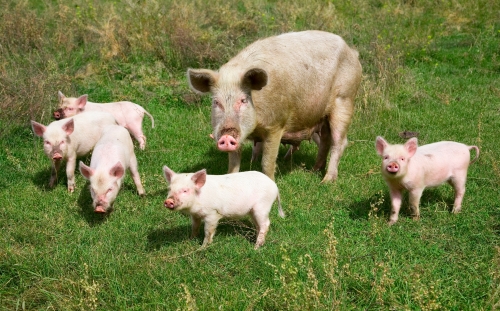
391, 222
456, 210
71, 189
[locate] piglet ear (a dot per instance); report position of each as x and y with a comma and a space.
199, 178
61, 96
81, 101
86, 171
38, 128
69, 127
168, 173
117, 171
380, 144
411, 146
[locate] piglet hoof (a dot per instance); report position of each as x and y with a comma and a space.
391, 222
71, 189
328, 178
456, 210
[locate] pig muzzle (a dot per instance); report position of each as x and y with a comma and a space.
227, 143
392, 168
56, 156
169, 203
99, 209
58, 114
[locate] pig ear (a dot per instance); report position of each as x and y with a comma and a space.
411, 146
61, 95
199, 178
255, 78
81, 101
86, 171
69, 127
168, 173
201, 80
117, 171
38, 128
380, 144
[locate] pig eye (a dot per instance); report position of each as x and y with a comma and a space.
402, 158
184, 190
386, 157
244, 100
47, 142
109, 190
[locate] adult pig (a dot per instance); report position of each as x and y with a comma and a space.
209, 198
281, 84
112, 155
127, 114
415, 168
71, 138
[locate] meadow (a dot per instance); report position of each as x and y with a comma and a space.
431, 67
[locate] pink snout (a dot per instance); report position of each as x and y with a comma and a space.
227, 143
392, 167
56, 156
169, 203
99, 210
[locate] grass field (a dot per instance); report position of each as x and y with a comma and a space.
428, 66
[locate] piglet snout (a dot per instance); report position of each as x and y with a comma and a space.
99, 209
169, 203
392, 167
56, 156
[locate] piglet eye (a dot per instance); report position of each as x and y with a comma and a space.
184, 190
47, 142
386, 157
402, 159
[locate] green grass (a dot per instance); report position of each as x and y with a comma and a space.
428, 66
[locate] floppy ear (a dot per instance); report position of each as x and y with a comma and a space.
199, 178
168, 173
69, 127
411, 146
201, 80
117, 171
255, 78
86, 171
38, 128
380, 144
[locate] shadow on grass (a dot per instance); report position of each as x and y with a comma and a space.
41, 179
86, 210
216, 162
227, 227
361, 209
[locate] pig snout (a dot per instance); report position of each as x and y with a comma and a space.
169, 203
99, 209
227, 143
393, 167
56, 156
58, 114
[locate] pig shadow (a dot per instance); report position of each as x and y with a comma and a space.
86, 211
216, 162
360, 209
227, 227
41, 179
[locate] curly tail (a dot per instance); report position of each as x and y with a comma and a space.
477, 153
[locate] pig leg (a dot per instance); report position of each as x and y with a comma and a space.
396, 205
256, 150
135, 175
458, 183
415, 195
270, 154
195, 226
340, 119
210, 226
136, 131
70, 173
53, 174
262, 223
234, 162
325, 142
